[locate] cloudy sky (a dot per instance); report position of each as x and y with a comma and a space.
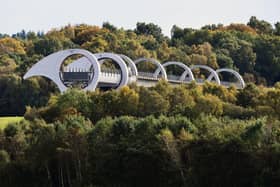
38, 15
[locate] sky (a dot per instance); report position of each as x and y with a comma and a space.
39, 15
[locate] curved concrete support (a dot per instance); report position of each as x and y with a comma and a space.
50, 67
117, 59
155, 62
185, 67
212, 73
131, 64
235, 73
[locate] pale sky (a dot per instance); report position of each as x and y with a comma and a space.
39, 15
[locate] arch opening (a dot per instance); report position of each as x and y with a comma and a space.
183, 73
234, 80
147, 67
114, 71
132, 69
76, 71
205, 73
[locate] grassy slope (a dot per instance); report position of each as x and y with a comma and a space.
4, 121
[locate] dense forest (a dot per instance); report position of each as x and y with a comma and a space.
137, 136
185, 135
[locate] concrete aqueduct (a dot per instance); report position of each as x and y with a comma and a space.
89, 72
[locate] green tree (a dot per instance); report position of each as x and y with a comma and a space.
260, 26
208, 104
181, 102
149, 29
47, 46
128, 101
268, 58
248, 97
273, 100
277, 29
151, 102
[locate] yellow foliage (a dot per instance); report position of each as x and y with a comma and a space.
11, 45
185, 135
241, 28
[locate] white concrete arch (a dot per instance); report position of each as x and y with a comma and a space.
117, 59
131, 64
235, 73
212, 72
155, 62
50, 67
184, 66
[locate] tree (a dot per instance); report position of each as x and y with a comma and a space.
96, 45
241, 28
273, 100
223, 58
189, 36
47, 46
109, 26
7, 65
205, 50
151, 102
11, 46
248, 97
208, 104
72, 148
149, 29
225, 94
128, 101
277, 29
244, 57
181, 102
171, 147
260, 26
268, 58
85, 33
4, 158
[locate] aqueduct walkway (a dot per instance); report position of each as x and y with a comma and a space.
89, 69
